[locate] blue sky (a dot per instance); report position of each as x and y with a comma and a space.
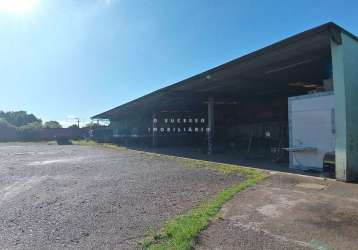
63, 58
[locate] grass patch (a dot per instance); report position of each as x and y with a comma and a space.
84, 142
181, 232
51, 143
194, 163
94, 143
222, 167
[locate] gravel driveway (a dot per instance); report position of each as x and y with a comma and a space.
81, 197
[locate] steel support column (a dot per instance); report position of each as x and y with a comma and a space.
154, 130
210, 131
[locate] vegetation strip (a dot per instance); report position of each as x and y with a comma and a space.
181, 232
94, 143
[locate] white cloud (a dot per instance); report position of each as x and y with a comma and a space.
66, 123
18, 7
73, 119
106, 2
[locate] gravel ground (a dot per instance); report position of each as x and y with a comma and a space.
79, 197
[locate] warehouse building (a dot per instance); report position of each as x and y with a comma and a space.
295, 101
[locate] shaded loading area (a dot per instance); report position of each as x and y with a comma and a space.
243, 104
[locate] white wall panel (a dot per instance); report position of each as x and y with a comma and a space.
312, 132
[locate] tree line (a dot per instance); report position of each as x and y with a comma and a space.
23, 121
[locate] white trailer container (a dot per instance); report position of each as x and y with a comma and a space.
311, 129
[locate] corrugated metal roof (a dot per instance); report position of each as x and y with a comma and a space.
309, 42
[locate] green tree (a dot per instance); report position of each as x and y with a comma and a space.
19, 118
52, 124
74, 126
5, 124
93, 125
30, 127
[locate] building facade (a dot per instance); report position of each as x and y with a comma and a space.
243, 105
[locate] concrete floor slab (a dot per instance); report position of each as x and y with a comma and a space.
311, 186
282, 213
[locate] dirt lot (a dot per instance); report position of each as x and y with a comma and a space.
79, 197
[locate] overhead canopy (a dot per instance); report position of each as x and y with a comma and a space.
276, 70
